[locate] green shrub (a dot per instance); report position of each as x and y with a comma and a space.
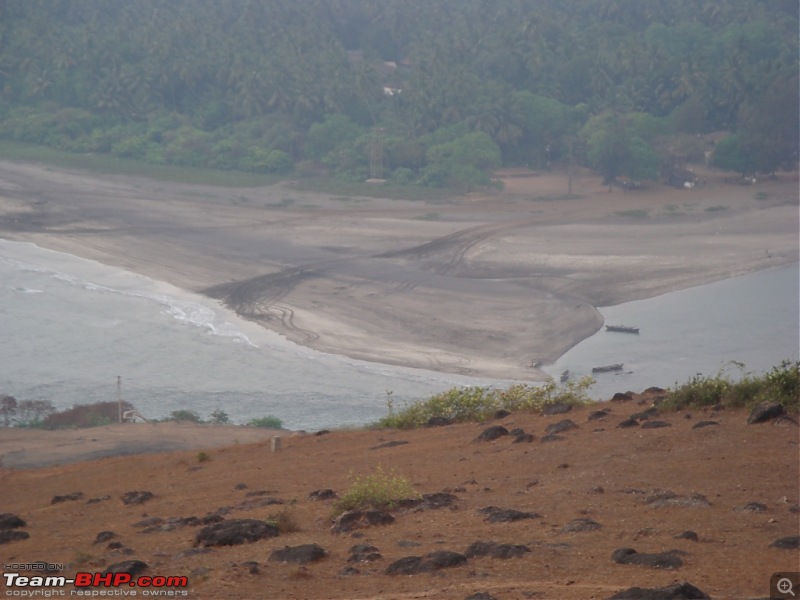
219, 417
480, 403
284, 519
377, 491
203, 457
270, 422
184, 415
781, 384
85, 415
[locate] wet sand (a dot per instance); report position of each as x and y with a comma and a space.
488, 285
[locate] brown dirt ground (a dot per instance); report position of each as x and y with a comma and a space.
731, 465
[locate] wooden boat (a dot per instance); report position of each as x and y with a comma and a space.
607, 368
622, 328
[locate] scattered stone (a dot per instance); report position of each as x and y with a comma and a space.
321, 432
325, 494
131, 567
794, 508
663, 498
579, 525
303, 554
234, 532
516, 431
492, 433
408, 544
495, 550
659, 560
787, 543
502, 413
104, 536
193, 552
364, 553
67, 497
439, 422
429, 501
764, 412
655, 424
349, 571
413, 565
12, 535
552, 437
115, 546
506, 515
688, 535
598, 414
754, 507
676, 591
558, 408
252, 567
10, 521
645, 414
480, 596
561, 426
621, 397
562, 466
628, 423
240, 486
702, 424
391, 444
138, 497
360, 519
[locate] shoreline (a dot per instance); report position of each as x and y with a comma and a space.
487, 287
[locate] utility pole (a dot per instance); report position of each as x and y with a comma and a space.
376, 154
119, 397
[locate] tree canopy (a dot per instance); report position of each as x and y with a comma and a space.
227, 83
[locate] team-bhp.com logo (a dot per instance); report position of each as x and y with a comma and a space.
95, 584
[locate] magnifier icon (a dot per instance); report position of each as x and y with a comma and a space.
785, 586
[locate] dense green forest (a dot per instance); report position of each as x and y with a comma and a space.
429, 92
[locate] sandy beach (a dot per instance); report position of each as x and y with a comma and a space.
489, 284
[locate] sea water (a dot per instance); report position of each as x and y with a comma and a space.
735, 326
69, 327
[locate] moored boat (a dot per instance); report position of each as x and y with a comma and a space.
622, 328
607, 368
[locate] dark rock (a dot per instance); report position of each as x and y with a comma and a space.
360, 519
755, 507
322, 432
702, 424
131, 567
506, 515
326, 494
794, 508
98, 499
628, 423
578, 525
439, 422
561, 426
391, 444
413, 565
433, 501
10, 521
252, 567
492, 433
408, 544
495, 550
524, 438
501, 414
104, 536
654, 390
676, 591
193, 552
598, 489
67, 497
598, 414
553, 437
234, 532
364, 553
667, 498
115, 546
621, 397
688, 535
516, 431
136, 497
12, 535
645, 414
764, 412
303, 554
149, 522
349, 571
480, 596
655, 424
558, 408
240, 486
787, 543
659, 560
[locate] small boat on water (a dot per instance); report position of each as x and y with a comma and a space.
607, 368
622, 328
565, 376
